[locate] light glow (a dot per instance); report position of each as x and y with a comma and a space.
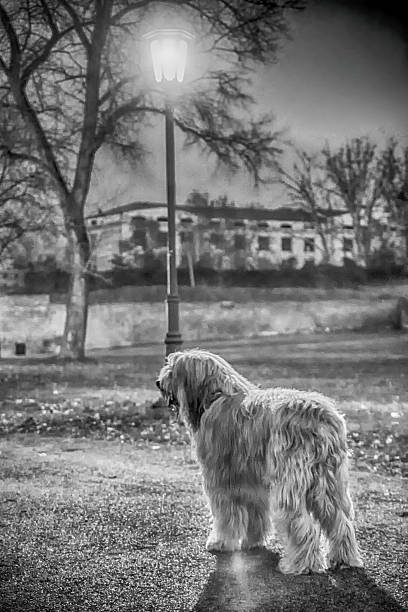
169, 54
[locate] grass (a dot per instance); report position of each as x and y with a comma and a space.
105, 518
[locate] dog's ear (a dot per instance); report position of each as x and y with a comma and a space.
197, 383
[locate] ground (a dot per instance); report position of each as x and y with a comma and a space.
101, 505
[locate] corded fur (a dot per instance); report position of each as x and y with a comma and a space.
278, 453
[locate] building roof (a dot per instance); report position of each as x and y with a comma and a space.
283, 213
130, 207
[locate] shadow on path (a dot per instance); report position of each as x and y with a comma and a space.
252, 583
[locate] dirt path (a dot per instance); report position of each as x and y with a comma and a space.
88, 525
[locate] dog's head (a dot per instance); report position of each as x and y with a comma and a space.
191, 380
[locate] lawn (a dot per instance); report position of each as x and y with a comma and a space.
101, 505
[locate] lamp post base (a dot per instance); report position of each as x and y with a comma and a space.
173, 340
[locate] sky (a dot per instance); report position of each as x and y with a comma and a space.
344, 73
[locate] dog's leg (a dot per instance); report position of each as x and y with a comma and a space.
343, 549
230, 520
300, 537
259, 520
335, 512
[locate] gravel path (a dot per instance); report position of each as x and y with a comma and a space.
98, 525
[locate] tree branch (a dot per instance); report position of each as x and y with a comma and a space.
77, 25
130, 108
42, 56
15, 51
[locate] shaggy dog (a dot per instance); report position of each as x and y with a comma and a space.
276, 454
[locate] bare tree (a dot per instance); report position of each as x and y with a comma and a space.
305, 184
394, 188
68, 67
23, 205
401, 201
357, 174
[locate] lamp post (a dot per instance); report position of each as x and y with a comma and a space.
168, 49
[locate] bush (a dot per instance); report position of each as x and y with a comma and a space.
49, 279
383, 265
46, 281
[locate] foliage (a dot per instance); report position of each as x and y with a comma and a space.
46, 278
24, 208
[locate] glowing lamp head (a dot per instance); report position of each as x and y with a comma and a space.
168, 49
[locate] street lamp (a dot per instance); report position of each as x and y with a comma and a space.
168, 49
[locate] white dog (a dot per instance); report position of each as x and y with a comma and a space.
277, 453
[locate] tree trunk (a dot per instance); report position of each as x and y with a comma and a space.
366, 238
190, 268
323, 238
73, 341
359, 239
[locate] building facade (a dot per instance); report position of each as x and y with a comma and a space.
225, 237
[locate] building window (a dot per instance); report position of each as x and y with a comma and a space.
139, 238
347, 245
347, 227
239, 223
94, 222
309, 245
162, 239
186, 236
124, 246
239, 242
263, 225
286, 226
139, 220
217, 240
286, 245
215, 222
263, 243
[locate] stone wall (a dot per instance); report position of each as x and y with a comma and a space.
39, 323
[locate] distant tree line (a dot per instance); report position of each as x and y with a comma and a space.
368, 181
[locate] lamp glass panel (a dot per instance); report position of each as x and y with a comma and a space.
157, 67
169, 57
181, 66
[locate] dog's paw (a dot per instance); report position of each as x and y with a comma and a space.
285, 567
217, 545
336, 564
248, 545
